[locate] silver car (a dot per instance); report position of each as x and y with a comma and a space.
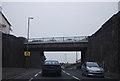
92, 69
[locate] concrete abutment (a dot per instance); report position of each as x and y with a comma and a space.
36, 59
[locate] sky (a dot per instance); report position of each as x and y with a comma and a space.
64, 56
58, 19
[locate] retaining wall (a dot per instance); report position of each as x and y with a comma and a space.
104, 45
12, 51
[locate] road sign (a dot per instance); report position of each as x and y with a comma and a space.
26, 53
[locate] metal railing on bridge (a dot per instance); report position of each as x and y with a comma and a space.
59, 39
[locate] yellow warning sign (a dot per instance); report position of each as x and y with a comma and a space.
26, 53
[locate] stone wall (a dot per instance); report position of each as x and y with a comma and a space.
103, 46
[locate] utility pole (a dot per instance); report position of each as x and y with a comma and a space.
27, 52
28, 31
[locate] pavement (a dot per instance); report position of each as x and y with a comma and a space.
11, 73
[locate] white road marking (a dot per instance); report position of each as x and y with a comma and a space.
31, 79
75, 77
67, 73
63, 71
36, 75
70, 75
39, 72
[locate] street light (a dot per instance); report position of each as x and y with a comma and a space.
28, 53
28, 30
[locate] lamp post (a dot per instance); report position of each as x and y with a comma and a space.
28, 30
27, 56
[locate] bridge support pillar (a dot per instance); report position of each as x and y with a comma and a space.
36, 59
83, 55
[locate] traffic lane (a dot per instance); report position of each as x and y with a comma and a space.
67, 75
78, 74
36, 75
52, 76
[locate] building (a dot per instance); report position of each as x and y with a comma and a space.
5, 25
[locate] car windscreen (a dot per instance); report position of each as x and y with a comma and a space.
92, 64
52, 62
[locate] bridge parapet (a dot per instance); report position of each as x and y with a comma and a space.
59, 39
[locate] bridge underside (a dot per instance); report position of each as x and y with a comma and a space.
78, 46
37, 49
58, 49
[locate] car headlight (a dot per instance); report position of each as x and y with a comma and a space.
89, 70
102, 70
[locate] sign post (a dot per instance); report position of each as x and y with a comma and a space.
27, 53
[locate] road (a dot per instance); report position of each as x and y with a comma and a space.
67, 75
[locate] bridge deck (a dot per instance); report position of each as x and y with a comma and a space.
59, 39
58, 46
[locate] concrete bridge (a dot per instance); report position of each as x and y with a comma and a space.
58, 44
37, 46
